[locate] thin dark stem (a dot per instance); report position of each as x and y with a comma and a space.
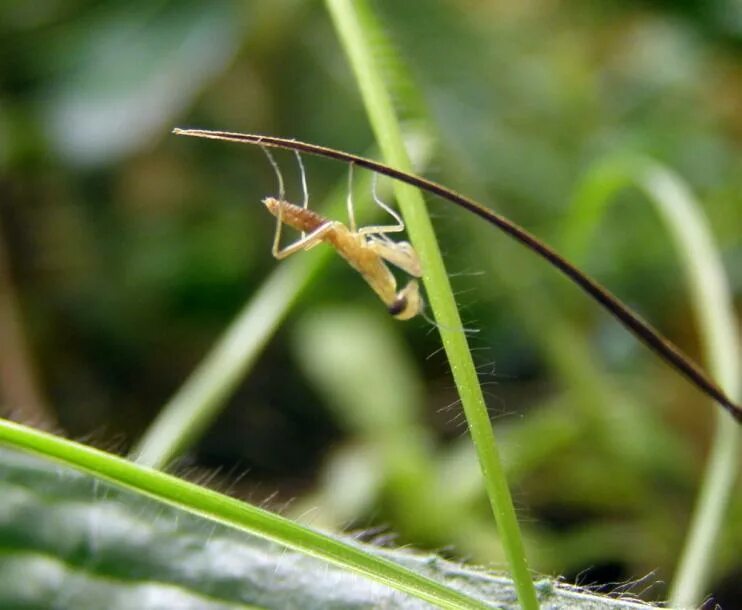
638, 327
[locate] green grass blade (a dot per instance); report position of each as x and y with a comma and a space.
231, 512
712, 303
386, 127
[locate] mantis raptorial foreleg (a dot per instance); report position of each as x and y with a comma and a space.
399, 253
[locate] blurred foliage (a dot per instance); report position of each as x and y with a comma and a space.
130, 250
148, 555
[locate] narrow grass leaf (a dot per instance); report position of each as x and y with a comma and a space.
348, 24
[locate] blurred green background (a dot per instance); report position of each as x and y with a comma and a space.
126, 251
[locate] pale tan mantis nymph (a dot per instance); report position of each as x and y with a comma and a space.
367, 249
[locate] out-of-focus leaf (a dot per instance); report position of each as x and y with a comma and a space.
136, 68
379, 392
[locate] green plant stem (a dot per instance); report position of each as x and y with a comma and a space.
386, 127
231, 512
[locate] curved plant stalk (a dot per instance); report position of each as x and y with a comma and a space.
643, 331
712, 304
347, 19
233, 513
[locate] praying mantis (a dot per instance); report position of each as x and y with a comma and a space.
366, 249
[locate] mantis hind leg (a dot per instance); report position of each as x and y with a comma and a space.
304, 189
282, 189
277, 170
